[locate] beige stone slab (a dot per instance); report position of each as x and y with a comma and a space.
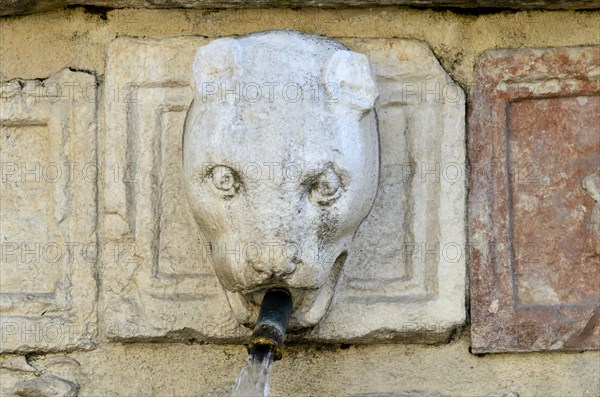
406, 277
48, 213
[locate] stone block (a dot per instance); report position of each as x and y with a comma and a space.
534, 150
405, 276
48, 213
46, 386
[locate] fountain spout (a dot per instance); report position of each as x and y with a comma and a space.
273, 318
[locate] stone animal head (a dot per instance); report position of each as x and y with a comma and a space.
281, 164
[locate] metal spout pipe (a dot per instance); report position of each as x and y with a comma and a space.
273, 318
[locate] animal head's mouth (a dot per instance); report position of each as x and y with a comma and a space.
310, 303
256, 295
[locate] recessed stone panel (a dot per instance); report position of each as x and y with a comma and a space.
48, 213
405, 277
534, 212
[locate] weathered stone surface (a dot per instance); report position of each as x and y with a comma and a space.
48, 213
20, 7
16, 363
534, 149
46, 386
405, 277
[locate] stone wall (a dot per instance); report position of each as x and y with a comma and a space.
72, 326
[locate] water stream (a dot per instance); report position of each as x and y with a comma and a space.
255, 377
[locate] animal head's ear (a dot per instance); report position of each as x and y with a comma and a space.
215, 63
348, 80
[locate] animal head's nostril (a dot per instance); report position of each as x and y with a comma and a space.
276, 269
290, 268
259, 267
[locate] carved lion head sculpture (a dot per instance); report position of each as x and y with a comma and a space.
281, 164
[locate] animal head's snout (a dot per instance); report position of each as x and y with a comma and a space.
279, 263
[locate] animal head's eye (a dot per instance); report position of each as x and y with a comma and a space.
225, 180
326, 187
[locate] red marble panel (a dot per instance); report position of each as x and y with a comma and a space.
534, 200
